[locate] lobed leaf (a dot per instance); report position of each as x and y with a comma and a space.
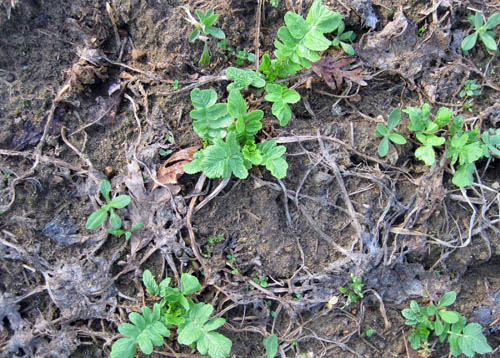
273, 158
124, 348
189, 284
222, 159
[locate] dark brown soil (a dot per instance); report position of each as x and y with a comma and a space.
405, 228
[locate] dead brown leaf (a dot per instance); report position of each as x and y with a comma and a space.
170, 173
334, 71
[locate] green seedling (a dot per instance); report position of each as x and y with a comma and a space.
229, 133
176, 85
232, 258
446, 325
271, 345
367, 332
203, 28
6, 177
353, 291
281, 96
274, 3
491, 141
300, 40
386, 132
99, 216
344, 39
244, 55
471, 88
421, 30
214, 239
261, 281
127, 233
176, 310
483, 30
164, 153
468, 106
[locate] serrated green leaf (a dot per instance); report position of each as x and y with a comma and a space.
271, 345
464, 175
96, 219
152, 287
468, 42
296, 25
189, 284
203, 98
414, 340
124, 348
489, 42
273, 158
145, 343
213, 324
194, 166
224, 158
210, 118
448, 299
190, 333
426, 154
215, 344
120, 201
322, 19
316, 41
443, 116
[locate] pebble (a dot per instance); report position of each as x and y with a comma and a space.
10, 77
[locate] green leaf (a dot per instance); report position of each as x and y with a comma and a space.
271, 345
397, 138
236, 105
213, 324
138, 320
194, 166
449, 316
203, 98
383, 147
105, 189
217, 345
414, 340
215, 32
426, 154
464, 175
381, 130
316, 41
448, 299
152, 287
96, 219
120, 201
469, 42
205, 56
273, 158
210, 118
348, 49
443, 116
438, 327
193, 36
114, 220
394, 119
145, 343
190, 333
224, 158
251, 153
322, 19
244, 78
493, 21
454, 346
124, 348
489, 42
296, 25
189, 284
136, 227
281, 95
129, 330
475, 339
478, 20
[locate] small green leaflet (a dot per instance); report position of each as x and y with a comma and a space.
189, 284
243, 79
281, 96
223, 158
150, 283
210, 118
271, 345
273, 158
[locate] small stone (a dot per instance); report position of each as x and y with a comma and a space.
495, 185
10, 77
109, 172
138, 54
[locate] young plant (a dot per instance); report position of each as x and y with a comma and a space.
194, 326
203, 28
274, 3
471, 88
353, 291
99, 216
261, 281
344, 39
271, 345
127, 233
447, 325
387, 134
483, 30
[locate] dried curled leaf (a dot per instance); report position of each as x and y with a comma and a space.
334, 71
169, 173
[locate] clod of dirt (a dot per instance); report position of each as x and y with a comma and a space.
487, 315
404, 282
9, 310
365, 9
62, 231
82, 290
397, 48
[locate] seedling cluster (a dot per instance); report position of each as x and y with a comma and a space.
175, 311
483, 30
353, 291
446, 325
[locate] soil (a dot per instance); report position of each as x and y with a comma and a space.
80, 103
